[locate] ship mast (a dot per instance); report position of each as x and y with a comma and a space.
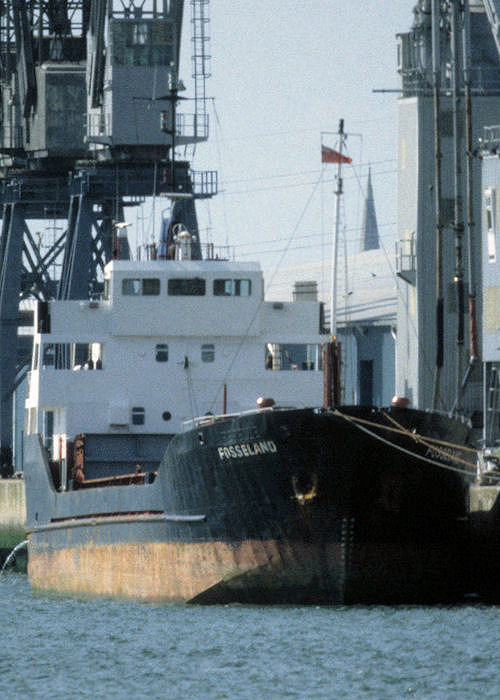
335, 239
458, 222
436, 70
332, 353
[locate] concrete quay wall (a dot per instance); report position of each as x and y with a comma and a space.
12, 517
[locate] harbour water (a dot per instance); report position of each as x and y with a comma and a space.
66, 648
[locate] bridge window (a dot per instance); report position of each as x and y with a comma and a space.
146, 287
191, 286
232, 288
131, 287
151, 287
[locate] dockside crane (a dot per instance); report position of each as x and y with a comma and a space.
88, 126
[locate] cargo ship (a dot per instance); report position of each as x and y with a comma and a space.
186, 441
268, 496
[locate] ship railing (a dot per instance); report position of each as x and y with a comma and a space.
210, 419
219, 252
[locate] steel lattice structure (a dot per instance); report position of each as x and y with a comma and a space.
74, 151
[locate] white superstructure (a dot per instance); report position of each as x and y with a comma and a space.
168, 340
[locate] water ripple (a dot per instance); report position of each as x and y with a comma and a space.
66, 648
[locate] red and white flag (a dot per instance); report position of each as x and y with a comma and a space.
328, 155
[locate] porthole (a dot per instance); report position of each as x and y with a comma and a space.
166, 415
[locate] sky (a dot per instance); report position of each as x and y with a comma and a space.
282, 76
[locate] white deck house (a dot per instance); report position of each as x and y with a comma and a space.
169, 340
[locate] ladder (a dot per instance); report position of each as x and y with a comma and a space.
200, 64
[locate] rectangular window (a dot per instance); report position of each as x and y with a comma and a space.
192, 286
36, 355
207, 352
48, 429
131, 287
146, 287
139, 33
490, 210
223, 288
48, 355
242, 288
162, 352
59, 354
230, 287
150, 287
138, 415
143, 42
293, 356
80, 354
72, 356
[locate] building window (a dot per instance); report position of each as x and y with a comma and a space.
162, 352
138, 415
207, 353
192, 286
230, 287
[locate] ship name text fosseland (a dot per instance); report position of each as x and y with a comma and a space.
247, 449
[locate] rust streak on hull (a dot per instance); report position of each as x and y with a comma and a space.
182, 572
251, 572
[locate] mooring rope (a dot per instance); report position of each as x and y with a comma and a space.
421, 438
418, 438
405, 431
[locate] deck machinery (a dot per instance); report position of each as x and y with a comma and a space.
89, 125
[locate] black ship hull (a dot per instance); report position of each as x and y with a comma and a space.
277, 506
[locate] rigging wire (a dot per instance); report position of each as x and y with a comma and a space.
305, 172
295, 185
218, 141
258, 308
